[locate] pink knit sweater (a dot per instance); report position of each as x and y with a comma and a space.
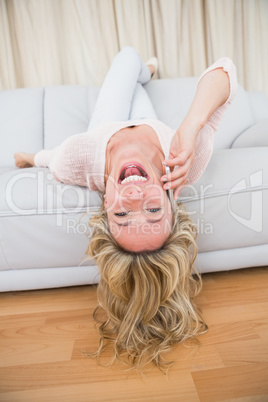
80, 159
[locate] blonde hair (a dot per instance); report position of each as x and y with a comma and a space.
147, 296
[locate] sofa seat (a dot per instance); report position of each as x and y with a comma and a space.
45, 229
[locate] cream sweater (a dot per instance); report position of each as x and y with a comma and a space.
80, 159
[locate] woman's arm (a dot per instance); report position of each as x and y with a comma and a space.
214, 90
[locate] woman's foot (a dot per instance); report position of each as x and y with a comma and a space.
24, 160
152, 64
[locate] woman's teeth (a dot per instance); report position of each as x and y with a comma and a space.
133, 178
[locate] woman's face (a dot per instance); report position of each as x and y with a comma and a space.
138, 209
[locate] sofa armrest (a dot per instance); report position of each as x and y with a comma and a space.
254, 136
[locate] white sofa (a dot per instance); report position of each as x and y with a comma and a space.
43, 223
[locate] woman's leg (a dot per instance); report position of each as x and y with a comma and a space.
116, 95
121, 97
141, 107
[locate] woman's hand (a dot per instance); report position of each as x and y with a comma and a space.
181, 156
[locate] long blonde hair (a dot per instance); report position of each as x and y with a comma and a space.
147, 296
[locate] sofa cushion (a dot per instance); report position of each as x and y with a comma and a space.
43, 223
229, 202
21, 122
254, 136
237, 118
67, 111
259, 104
172, 99
36, 118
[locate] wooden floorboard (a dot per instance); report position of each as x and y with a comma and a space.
43, 334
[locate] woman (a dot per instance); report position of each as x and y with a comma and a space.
144, 249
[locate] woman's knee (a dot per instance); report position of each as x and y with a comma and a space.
130, 53
128, 49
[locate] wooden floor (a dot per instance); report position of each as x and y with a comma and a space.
42, 334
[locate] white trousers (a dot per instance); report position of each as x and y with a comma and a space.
122, 96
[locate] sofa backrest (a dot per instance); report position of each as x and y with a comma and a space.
172, 98
35, 118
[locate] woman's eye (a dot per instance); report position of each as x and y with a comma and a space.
121, 214
154, 210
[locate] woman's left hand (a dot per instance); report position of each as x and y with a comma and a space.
181, 157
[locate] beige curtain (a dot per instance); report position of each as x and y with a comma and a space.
239, 29
66, 42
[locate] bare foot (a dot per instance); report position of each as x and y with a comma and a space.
24, 160
152, 69
152, 64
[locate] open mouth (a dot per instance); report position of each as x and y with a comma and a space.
132, 173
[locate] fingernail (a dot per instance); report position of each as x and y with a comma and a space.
164, 162
166, 186
163, 178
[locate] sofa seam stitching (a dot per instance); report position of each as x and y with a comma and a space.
225, 193
65, 211
234, 248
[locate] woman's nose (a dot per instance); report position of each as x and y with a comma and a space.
134, 192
